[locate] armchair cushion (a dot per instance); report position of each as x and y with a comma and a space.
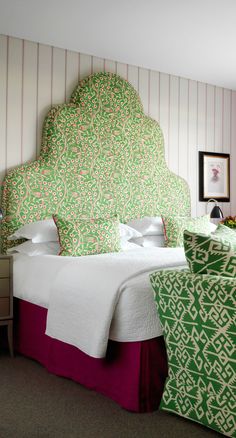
209, 254
198, 316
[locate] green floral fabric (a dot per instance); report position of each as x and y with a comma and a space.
101, 156
226, 233
87, 237
198, 315
210, 254
174, 227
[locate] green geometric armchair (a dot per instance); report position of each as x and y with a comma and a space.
198, 314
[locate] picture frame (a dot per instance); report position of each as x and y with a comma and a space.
214, 176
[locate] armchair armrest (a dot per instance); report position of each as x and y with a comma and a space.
198, 314
204, 298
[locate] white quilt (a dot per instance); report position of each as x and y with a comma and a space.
84, 296
93, 298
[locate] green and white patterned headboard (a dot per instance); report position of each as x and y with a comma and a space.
101, 156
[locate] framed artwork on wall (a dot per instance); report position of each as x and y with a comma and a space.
214, 176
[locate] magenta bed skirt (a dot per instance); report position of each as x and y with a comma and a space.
133, 373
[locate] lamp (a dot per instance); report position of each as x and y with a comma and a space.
216, 212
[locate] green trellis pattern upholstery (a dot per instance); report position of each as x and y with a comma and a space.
101, 156
198, 314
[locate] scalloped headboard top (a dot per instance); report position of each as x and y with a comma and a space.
101, 156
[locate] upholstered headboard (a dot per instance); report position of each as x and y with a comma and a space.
101, 155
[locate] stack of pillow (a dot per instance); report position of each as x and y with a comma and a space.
73, 237
42, 238
167, 231
77, 237
151, 231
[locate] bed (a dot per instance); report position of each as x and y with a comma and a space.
100, 157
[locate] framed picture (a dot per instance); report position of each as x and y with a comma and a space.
214, 176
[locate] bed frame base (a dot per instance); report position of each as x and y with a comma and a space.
132, 373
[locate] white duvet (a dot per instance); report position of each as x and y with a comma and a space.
91, 299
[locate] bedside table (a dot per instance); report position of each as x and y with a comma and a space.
6, 297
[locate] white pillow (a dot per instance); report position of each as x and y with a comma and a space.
150, 241
38, 232
127, 232
46, 231
35, 249
148, 226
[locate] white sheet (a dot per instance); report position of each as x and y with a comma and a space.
93, 298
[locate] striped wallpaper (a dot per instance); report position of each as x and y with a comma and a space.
194, 116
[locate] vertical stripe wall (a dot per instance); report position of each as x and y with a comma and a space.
194, 116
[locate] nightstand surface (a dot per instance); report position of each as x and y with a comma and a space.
6, 297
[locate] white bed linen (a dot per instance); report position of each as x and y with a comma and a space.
93, 298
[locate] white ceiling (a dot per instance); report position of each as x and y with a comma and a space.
191, 38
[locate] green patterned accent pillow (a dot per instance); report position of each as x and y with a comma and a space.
226, 233
174, 227
210, 254
87, 237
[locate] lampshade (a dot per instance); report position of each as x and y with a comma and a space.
216, 212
